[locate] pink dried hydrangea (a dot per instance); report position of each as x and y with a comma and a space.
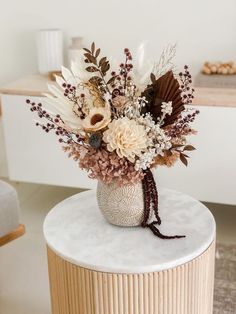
105, 166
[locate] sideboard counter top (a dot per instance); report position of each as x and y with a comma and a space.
36, 85
31, 85
215, 97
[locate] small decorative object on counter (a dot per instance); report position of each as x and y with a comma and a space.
120, 124
75, 51
227, 68
50, 50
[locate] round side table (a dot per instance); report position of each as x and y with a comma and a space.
98, 268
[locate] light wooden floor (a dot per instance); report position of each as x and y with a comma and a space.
23, 263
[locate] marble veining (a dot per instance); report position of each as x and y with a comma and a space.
75, 230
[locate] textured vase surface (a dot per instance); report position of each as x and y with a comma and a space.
121, 205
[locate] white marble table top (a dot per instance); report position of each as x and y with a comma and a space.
75, 230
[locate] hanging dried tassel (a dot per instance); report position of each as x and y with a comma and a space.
151, 203
157, 232
154, 196
147, 201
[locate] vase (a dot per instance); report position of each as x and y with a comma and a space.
132, 205
75, 51
121, 205
50, 50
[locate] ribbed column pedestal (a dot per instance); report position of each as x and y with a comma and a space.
185, 289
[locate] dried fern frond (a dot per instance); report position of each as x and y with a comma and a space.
165, 63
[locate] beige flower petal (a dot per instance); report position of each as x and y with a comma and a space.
126, 137
97, 119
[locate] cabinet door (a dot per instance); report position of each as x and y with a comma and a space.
211, 173
33, 155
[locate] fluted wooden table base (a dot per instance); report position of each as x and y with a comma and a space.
186, 289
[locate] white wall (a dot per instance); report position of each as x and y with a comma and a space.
203, 29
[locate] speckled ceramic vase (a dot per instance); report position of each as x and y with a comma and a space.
121, 205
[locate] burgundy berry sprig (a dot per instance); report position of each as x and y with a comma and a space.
185, 86
126, 68
78, 101
181, 126
54, 124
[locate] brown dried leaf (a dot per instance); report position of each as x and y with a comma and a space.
96, 80
108, 65
91, 58
183, 159
87, 50
168, 153
189, 147
153, 78
93, 47
111, 80
105, 67
91, 69
97, 52
102, 61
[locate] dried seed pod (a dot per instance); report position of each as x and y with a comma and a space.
95, 140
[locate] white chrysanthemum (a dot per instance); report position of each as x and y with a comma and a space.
126, 137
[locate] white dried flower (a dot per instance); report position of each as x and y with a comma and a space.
133, 108
145, 160
157, 142
166, 108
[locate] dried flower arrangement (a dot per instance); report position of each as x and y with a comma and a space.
120, 124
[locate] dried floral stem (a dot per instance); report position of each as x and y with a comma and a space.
126, 73
78, 101
105, 82
185, 86
101, 66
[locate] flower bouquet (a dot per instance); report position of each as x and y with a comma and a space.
119, 125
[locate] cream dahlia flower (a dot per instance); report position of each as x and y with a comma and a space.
126, 137
97, 119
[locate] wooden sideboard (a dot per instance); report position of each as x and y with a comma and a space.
33, 156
